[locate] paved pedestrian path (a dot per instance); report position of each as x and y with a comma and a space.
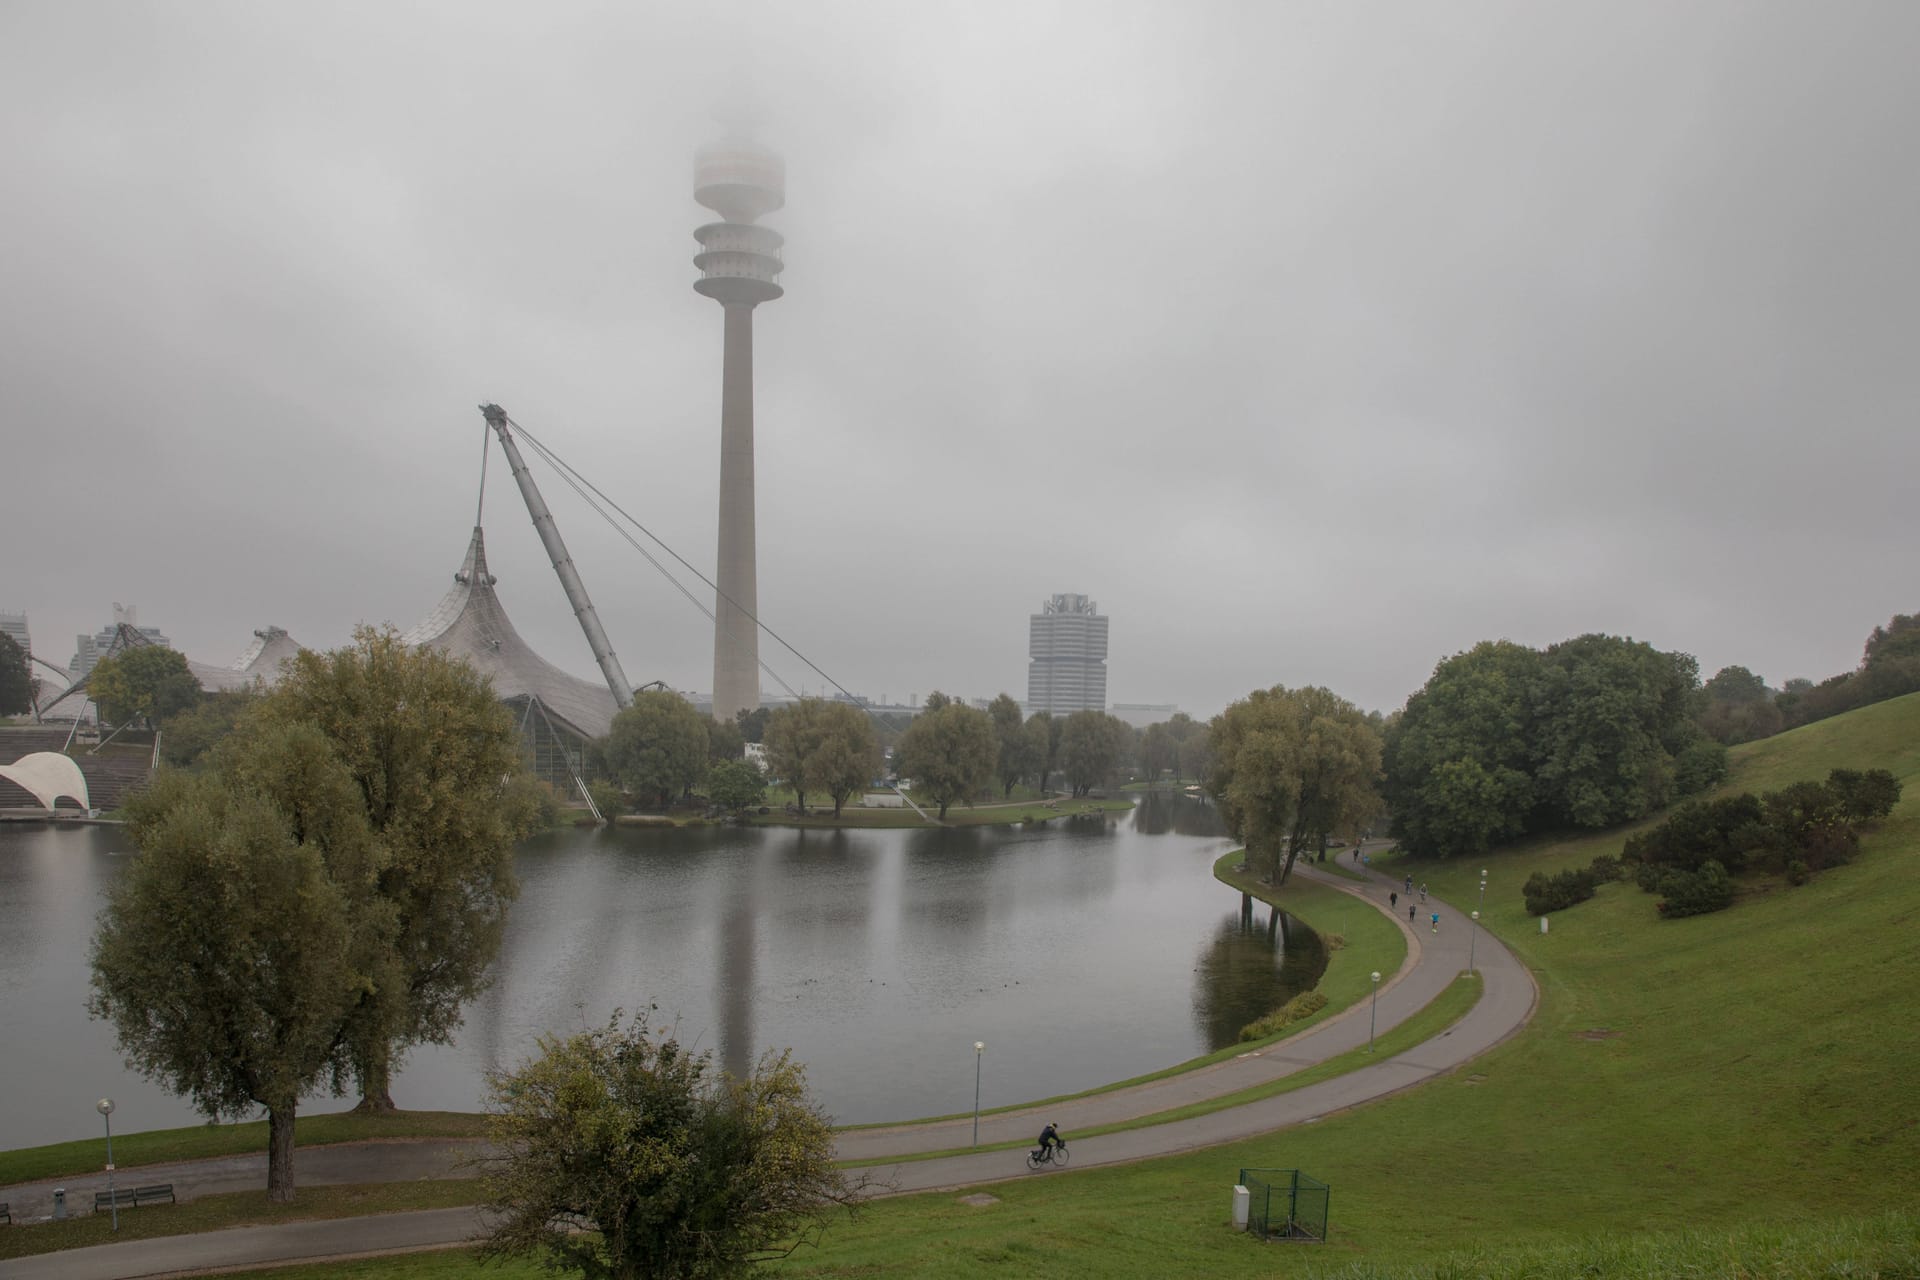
1434, 960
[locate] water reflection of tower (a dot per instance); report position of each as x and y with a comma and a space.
737, 942
739, 263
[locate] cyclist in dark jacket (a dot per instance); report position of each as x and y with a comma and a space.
1049, 1138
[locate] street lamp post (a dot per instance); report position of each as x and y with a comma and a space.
105, 1108
1471, 939
979, 1047
1372, 1010
1482, 904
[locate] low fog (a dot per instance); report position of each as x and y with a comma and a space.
1314, 341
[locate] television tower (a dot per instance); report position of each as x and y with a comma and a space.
738, 261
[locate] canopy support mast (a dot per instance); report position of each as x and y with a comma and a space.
562, 562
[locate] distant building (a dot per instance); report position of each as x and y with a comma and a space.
15, 625
1067, 652
1142, 714
88, 650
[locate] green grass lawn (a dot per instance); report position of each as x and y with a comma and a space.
1881, 1247
240, 1208
35, 1164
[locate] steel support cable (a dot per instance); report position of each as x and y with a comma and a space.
575, 482
560, 463
581, 485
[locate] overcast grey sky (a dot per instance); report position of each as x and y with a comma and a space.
1314, 341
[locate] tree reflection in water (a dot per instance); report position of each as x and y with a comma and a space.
1164, 810
1256, 962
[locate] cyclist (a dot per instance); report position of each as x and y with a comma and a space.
1049, 1138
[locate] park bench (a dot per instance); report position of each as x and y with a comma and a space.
127, 1197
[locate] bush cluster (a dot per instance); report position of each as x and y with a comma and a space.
1546, 893
1304, 1005
1695, 893
1690, 858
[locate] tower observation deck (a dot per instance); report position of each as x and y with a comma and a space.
739, 264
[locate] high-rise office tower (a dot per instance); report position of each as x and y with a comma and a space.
739, 264
1067, 645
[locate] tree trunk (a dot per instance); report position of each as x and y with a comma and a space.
376, 1084
837, 802
943, 809
280, 1152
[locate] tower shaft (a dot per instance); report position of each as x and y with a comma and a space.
736, 634
740, 265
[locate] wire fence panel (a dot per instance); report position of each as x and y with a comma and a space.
1286, 1204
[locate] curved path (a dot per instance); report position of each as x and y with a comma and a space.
1433, 961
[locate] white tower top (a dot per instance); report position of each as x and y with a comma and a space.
741, 181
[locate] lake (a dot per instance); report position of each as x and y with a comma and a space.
1082, 951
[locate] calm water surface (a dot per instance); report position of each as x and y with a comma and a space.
1082, 951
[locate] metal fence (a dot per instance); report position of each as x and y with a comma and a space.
1285, 1204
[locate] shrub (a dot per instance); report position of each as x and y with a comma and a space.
1545, 893
1702, 764
1864, 797
536, 800
1606, 869
1304, 1005
607, 798
1797, 872
1695, 893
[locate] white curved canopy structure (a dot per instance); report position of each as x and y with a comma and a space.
48, 775
471, 623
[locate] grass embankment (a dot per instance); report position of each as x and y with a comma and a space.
162, 1146
1882, 1247
241, 1208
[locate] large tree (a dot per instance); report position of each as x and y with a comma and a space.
16, 679
432, 754
1196, 753
1018, 754
1159, 752
657, 748
949, 752
1291, 765
1043, 745
234, 950
193, 734
736, 785
1505, 740
1609, 715
149, 683
814, 744
1093, 745
1459, 765
620, 1154
1737, 706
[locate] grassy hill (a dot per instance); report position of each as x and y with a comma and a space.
1752, 1071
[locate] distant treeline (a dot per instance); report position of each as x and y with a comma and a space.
1737, 706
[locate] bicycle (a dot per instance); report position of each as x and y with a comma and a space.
1054, 1155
